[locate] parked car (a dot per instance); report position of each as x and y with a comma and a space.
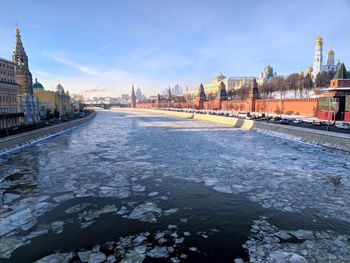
298, 121
343, 125
276, 118
318, 123
284, 121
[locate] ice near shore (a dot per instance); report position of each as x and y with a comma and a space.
272, 172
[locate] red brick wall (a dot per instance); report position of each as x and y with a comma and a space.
236, 105
340, 83
305, 107
145, 105
211, 105
347, 116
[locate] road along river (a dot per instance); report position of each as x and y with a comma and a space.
137, 187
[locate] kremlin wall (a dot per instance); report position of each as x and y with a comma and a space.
333, 104
302, 107
322, 107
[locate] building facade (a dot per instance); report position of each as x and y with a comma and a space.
9, 113
51, 101
236, 83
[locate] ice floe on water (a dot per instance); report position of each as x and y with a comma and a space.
57, 258
269, 244
147, 212
125, 167
133, 248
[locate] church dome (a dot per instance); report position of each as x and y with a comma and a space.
319, 40
59, 88
37, 85
330, 52
309, 70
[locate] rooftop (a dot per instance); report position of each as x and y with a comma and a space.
341, 73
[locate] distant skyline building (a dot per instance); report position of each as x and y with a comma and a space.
176, 90
133, 98
139, 94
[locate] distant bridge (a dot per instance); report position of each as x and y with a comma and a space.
107, 105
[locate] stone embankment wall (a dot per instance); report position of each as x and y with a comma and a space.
323, 138
26, 138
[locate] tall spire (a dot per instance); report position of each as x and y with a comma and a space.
341, 73
222, 94
201, 94
255, 88
18, 35
23, 75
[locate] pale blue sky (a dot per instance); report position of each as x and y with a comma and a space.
105, 46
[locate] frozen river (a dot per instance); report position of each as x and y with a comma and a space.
134, 187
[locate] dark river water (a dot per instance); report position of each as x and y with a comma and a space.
135, 187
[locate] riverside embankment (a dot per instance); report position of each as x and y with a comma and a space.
26, 138
317, 137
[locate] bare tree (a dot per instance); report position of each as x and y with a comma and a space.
280, 84
293, 80
301, 85
308, 83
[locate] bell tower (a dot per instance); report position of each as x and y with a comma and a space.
23, 75
318, 56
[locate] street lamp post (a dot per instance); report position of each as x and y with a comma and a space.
334, 102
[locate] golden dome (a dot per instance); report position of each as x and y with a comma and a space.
319, 41
309, 70
301, 73
330, 52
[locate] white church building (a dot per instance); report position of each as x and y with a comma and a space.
318, 65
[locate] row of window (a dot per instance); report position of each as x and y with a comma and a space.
7, 73
7, 80
8, 99
3, 65
8, 110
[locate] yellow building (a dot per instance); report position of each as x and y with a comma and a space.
212, 86
51, 101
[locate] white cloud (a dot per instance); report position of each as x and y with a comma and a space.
61, 57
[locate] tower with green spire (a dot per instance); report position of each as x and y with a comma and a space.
341, 79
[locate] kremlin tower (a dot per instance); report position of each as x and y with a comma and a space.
201, 97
